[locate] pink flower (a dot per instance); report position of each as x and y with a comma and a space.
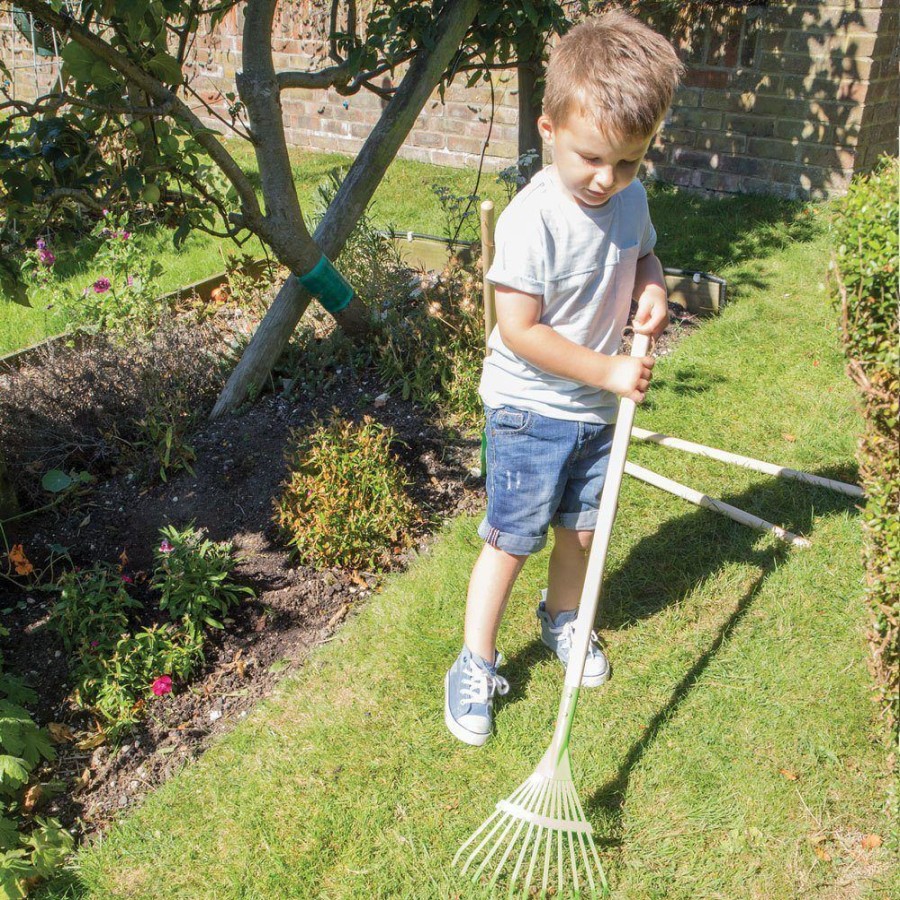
165, 547
102, 285
47, 258
127, 579
105, 212
130, 280
162, 686
124, 235
95, 643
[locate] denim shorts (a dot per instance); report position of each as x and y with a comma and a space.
541, 472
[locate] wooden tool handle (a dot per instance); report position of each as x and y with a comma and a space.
487, 257
609, 502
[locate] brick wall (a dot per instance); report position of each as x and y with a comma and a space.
784, 98
789, 99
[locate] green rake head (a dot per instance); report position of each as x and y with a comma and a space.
538, 836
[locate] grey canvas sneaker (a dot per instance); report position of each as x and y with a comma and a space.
469, 689
557, 635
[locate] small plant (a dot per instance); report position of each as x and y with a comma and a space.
345, 501
31, 847
92, 609
163, 435
193, 577
460, 213
513, 178
117, 681
123, 295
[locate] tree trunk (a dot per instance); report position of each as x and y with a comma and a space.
350, 202
530, 100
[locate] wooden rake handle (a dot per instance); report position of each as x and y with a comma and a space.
609, 504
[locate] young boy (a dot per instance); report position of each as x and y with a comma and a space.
572, 250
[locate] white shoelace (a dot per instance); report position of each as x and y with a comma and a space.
567, 635
479, 685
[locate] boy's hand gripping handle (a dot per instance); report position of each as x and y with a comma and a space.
609, 502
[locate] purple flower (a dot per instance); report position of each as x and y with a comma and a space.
165, 547
102, 285
124, 235
47, 258
41, 244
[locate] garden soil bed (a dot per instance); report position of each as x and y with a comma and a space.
238, 471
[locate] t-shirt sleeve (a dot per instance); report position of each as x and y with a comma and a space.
648, 238
519, 252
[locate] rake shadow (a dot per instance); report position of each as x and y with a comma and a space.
702, 543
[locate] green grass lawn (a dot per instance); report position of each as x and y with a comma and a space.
732, 755
404, 200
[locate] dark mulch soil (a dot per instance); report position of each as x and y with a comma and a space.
238, 471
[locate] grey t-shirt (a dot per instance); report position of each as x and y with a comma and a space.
582, 262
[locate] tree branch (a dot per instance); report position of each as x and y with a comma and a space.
350, 202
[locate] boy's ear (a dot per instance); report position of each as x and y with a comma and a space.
545, 127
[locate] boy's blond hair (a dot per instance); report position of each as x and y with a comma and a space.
617, 71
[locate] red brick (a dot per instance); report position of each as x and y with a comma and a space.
707, 78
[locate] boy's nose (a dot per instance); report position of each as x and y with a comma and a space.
604, 178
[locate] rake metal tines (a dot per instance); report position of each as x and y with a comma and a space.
541, 831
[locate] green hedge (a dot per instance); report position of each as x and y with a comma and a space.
864, 273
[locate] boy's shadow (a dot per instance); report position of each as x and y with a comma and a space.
691, 548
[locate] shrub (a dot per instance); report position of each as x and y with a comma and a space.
92, 608
864, 274
31, 847
116, 682
430, 342
193, 578
345, 501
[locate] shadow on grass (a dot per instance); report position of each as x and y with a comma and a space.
665, 567
728, 232
692, 549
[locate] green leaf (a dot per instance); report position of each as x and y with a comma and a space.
11, 283
133, 180
19, 187
55, 481
13, 771
78, 60
166, 68
9, 836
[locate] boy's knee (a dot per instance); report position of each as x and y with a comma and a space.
574, 538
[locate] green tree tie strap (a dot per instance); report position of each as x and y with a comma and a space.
325, 283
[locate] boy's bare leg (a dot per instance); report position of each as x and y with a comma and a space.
568, 565
490, 584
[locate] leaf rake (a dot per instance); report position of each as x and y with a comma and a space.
540, 832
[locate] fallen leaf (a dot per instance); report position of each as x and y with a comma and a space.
357, 579
789, 437
822, 853
84, 779
123, 558
60, 734
789, 774
20, 561
871, 842
240, 667
32, 798
91, 741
